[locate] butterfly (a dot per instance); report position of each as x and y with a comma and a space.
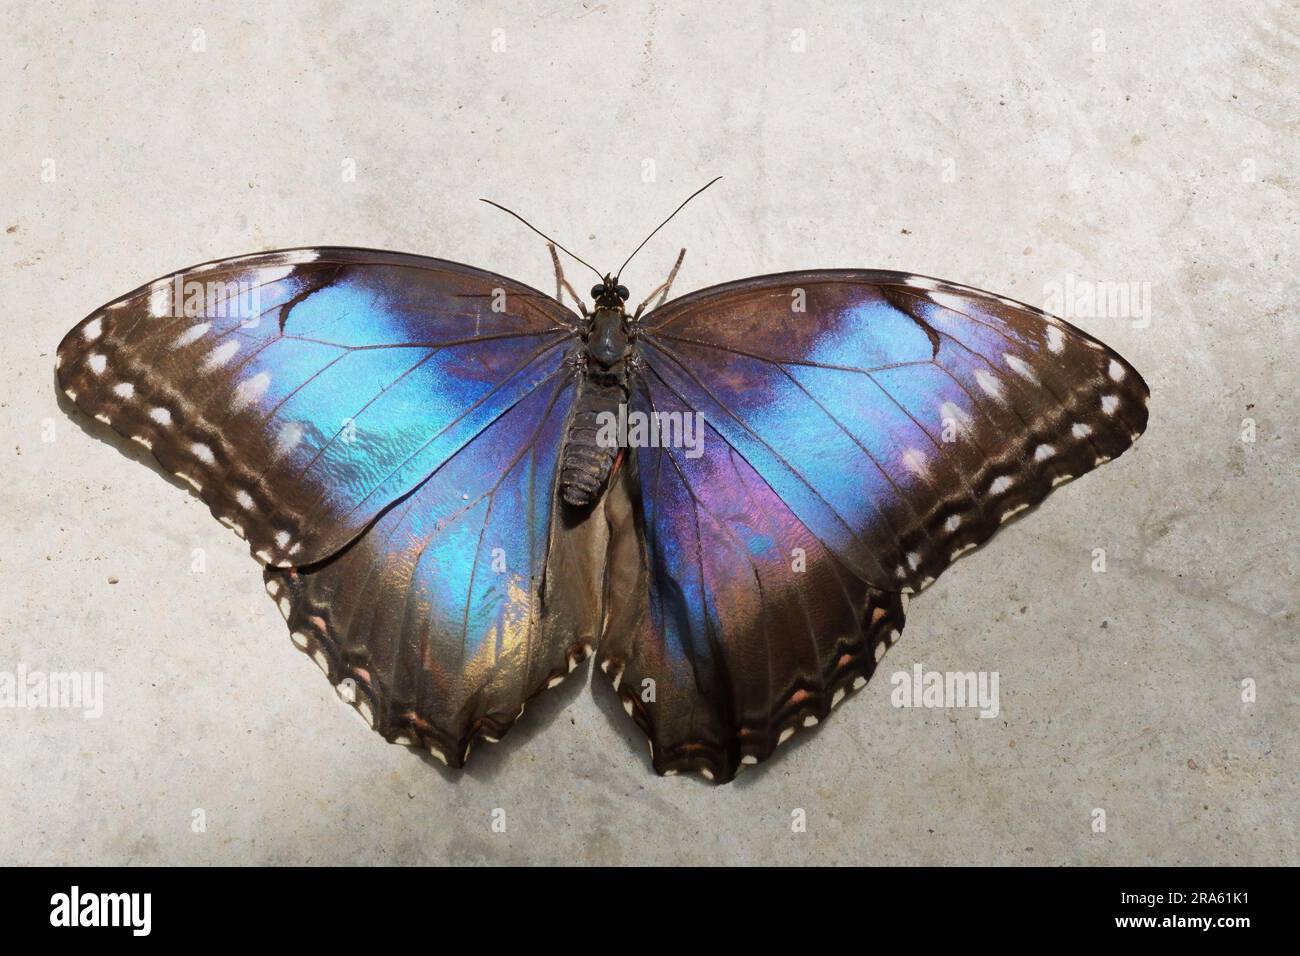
459, 488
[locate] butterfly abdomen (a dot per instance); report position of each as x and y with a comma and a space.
586, 462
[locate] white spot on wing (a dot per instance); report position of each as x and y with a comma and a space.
124, 389
952, 412
97, 363
1109, 403
1055, 339
95, 328
193, 334
1012, 512
202, 452
914, 459
991, 386
161, 416
245, 499
999, 485
160, 300
268, 276
1080, 430
953, 523
1116, 371
950, 301
1020, 367
251, 389
1044, 452
222, 354
289, 436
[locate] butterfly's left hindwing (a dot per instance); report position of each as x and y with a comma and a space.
443, 618
301, 392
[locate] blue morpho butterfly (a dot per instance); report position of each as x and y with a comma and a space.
458, 487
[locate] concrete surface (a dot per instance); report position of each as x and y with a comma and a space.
1012, 147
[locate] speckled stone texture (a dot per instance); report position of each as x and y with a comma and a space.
1021, 148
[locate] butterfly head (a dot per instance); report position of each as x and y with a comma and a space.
609, 294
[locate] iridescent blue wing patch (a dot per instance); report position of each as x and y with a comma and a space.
740, 626
902, 419
442, 619
861, 431
301, 392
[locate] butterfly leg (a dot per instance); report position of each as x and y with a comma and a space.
562, 284
662, 290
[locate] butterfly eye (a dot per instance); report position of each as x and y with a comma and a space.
623, 293
596, 290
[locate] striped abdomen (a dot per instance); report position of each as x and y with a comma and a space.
584, 464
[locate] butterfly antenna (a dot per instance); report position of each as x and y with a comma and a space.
664, 223
545, 236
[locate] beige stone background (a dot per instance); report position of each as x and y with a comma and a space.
1007, 146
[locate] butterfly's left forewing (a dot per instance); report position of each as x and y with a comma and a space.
301, 392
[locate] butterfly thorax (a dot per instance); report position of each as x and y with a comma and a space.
587, 459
